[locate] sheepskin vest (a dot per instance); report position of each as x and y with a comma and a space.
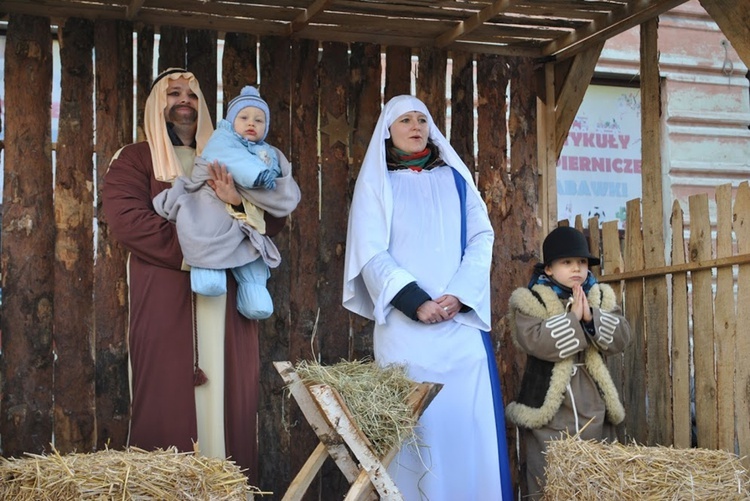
544, 383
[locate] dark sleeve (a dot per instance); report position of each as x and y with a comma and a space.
127, 193
274, 225
409, 299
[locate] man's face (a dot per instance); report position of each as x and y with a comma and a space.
182, 103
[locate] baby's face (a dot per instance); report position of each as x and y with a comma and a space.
250, 123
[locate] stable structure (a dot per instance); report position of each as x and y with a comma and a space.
64, 319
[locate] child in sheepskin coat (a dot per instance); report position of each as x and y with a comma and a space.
566, 322
215, 236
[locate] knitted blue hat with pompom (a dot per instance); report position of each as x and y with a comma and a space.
249, 96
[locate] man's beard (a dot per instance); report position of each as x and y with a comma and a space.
180, 115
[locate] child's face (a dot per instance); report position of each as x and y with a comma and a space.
568, 271
410, 131
250, 123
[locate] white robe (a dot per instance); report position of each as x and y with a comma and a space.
458, 456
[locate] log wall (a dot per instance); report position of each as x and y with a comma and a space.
64, 314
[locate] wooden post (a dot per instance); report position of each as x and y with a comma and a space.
462, 107
144, 75
113, 41
275, 419
655, 288
75, 419
681, 398
431, 83
725, 322
201, 61
635, 356
703, 324
172, 48
28, 241
239, 67
398, 74
365, 69
741, 226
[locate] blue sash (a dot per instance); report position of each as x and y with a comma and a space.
497, 393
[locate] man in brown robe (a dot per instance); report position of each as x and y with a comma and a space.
174, 335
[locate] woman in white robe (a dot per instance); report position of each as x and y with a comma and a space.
418, 256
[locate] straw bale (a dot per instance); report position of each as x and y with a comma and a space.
375, 396
132, 474
590, 470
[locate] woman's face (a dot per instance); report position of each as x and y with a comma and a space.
410, 132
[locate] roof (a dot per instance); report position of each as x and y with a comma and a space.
544, 29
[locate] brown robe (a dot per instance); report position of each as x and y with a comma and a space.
161, 342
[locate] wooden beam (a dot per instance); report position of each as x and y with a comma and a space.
608, 25
473, 22
573, 91
545, 150
133, 7
304, 18
733, 18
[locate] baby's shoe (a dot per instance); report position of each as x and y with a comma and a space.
208, 282
253, 299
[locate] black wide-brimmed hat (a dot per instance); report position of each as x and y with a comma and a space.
566, 241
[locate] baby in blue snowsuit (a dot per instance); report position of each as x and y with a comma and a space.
215, 236
239, 143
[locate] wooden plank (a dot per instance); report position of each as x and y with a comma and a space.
333, 443
509, 190
172, 47
681, 398
595, 243
724, 321
575, 83
656, 302
398, 74
365, 104
277, 415
741, 226
334, 408
433, 64
239, 67
144, 75
304, 309
475, 21
635, 392
692, 266
27, 240
547, 132
462, 107
75, 417
612, 260
335, 135
699, 247
733, 18
310, 469
201, 61
113, 42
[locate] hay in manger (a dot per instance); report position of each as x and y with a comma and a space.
375, 396
133, 474
590, 470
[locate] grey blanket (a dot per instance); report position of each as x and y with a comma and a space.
209, 236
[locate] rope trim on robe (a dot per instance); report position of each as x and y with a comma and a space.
199, 377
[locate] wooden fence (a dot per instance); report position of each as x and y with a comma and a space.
685, 380
64, 312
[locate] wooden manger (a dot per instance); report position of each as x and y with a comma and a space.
341, 439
